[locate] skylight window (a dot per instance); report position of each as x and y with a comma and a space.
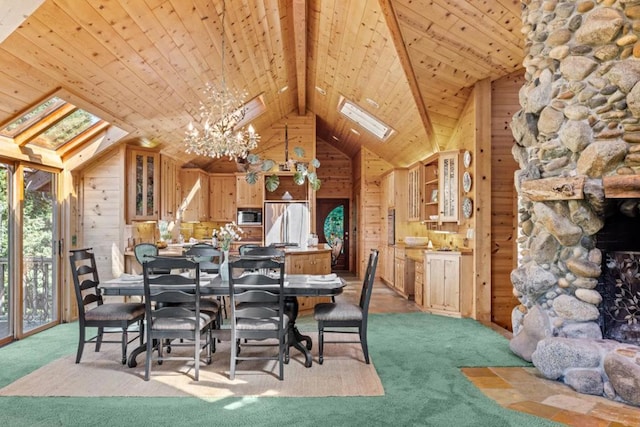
33, 116
366, 120
52, 124
66, 129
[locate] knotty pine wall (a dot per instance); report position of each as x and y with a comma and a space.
504, 95
369, 219
102, 213
335, 172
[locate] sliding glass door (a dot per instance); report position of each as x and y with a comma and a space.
39, 255
6, 312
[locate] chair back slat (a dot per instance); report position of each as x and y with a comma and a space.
256, 288
369, 277
85, 278
207, 256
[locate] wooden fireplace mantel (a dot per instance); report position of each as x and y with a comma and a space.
557, 188
572, 188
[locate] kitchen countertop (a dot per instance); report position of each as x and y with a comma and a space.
175, 249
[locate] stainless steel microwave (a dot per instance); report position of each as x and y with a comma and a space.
249, 216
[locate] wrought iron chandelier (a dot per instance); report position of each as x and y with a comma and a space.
223, 110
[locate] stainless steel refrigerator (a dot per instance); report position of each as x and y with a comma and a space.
286, 222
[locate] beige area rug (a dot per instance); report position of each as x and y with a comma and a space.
343, 373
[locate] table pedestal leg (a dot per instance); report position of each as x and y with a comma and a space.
295, 337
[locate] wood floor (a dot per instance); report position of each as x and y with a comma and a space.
519, 389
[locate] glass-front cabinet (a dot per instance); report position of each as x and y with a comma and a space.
142, 197
448, 187
415, 194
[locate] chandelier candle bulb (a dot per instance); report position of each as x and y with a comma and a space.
223, 113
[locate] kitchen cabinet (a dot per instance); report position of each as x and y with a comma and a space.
308, 262
143, 172
386, 262
448, 186
418, 289
169, 188
441, 178
415, 193
249, 195
403, 274
448, 283
430, 211
194, 205
222, 197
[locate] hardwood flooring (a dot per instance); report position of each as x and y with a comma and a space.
519, 389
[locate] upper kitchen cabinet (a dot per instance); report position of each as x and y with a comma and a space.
394, 190
143, 168
249, 195
169, 188
415, 193
430, 211
222, 197
194, 204
449, 186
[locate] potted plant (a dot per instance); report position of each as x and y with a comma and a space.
303, 171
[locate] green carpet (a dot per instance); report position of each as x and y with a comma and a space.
417, 356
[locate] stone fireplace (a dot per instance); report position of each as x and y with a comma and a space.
578, 148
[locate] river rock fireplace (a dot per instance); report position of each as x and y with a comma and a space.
578, 149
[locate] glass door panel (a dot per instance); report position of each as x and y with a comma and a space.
6, 329
40, 295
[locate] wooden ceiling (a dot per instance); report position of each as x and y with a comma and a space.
142, 64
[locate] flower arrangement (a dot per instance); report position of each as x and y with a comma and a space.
227, 234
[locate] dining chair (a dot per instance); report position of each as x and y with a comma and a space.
94, 313
257, 310
346, 316
173, 311
243, 249
145, 251
209, 259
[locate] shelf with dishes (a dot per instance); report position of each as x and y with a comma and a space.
441, 188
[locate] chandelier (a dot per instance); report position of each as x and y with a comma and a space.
221, 114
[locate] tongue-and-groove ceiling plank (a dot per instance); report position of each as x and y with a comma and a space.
144, 63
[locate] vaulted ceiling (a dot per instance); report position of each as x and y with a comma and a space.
142, 64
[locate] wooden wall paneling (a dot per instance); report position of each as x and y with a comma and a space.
482, 208
102, 213
370, 215
335, 172
503, 197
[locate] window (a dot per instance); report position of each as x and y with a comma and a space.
52, 124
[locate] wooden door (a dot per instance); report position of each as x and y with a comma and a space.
332, 216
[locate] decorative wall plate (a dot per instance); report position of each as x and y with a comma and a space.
466, 182
467, 207
466, 159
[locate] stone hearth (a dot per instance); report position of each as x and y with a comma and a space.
578, 149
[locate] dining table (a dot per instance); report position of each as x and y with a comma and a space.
295, 285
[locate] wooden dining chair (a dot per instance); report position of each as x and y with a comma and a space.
145, 252
94, 313
174, 314
348, 318
257, 310
209, 259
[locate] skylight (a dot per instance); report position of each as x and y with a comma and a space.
52, 124
68, 128
367, 121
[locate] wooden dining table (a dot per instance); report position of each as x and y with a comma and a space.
296, 285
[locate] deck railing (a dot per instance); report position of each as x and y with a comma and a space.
38, 292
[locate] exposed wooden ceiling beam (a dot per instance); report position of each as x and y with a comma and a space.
403, 55
300, 41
